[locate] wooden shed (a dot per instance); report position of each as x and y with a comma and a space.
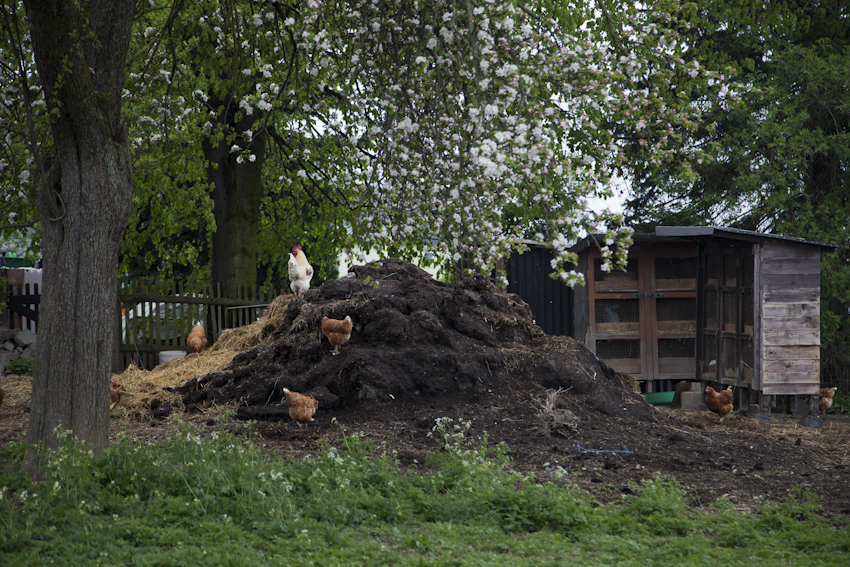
707, 303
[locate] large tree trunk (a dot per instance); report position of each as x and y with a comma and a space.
84, 202
237, 191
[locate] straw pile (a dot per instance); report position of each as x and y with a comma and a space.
139, 387
249, 336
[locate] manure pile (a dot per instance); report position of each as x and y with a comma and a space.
415, 339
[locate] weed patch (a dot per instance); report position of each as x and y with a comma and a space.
215, 499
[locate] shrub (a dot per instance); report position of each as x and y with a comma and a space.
19, 366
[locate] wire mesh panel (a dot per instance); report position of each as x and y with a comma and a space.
712, 269
730, 270
676, 348
710, 310
617, 317
618, 348
730, 311
748, 271
617, 310
615, 281
747, 312
747, 359
676, 356
676, 309
676, 315
675, 273
709, 354
620, 354
729, 368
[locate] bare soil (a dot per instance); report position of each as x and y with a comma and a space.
422, 350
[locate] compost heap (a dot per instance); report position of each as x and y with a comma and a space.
414, 339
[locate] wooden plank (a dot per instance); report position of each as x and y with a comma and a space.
790, 281
616, 286
792, 366
627, 365
792, 266
183, 322
786, 250
736, 382
791, 353
677, 327
686, 284
606, 329
790, 310
795, 324
791, 337
148, 322
791, 378
807, 295
790, 389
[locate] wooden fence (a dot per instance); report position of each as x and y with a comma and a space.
156, 316
22, 299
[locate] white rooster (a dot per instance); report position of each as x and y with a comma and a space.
300, 271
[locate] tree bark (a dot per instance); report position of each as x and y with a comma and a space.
84, 202
237, 191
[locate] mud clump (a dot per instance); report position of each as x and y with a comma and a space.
415, 339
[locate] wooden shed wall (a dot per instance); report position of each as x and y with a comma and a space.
788, 318
550, 300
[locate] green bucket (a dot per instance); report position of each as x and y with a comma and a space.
659, 398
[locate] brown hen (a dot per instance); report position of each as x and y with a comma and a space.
301, 407
114, 396
197, 339
719, 402
826, 395
338, 331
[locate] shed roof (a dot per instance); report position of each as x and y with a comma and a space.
689, 233
638, 237
731, 234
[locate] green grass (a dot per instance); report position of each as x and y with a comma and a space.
219, 500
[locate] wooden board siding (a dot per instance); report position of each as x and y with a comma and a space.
790, 389
790, 353
612, 330
789, 321
792, 365
550, 300
630, 366
790, 336
792, 295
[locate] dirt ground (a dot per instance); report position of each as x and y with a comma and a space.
422, 350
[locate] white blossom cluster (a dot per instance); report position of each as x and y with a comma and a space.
485, 119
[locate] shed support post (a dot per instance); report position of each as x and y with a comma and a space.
814, 404
764, 405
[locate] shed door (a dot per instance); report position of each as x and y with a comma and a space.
727, 315
645, 319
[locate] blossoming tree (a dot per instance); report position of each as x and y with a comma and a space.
485, 117
421, 129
